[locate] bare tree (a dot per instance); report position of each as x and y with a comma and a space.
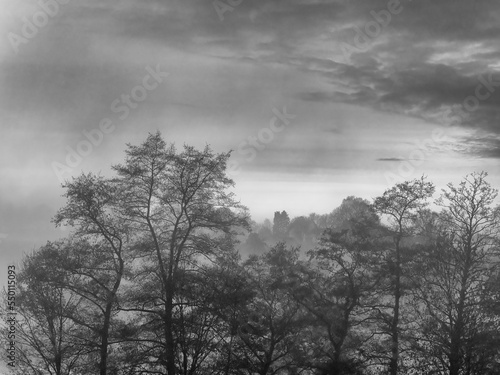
182, 214
457, 270
94, 261
399, 205
48, 342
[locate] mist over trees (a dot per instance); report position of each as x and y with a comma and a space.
164, 272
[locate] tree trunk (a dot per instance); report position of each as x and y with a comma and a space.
103, 366
169, 336
457, 331
104, 341
393, 364
454, 358
228, 363
58, 363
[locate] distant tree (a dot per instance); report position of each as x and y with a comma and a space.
353, 211
269, 339
351, 207
303, 232
280, 225
226, 295
337, 288
254, 244
264, 231
322, 221
267, 224
265, 234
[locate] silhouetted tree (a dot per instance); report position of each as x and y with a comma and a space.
179, 207
303, 232
399, 205
337, 288
254, 244
47, 340
457, 330
280, 225
95, 261
269, 339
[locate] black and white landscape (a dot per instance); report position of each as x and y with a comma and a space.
250, 187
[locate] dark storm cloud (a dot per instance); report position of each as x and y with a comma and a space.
391, 159
189, 25
482, 146
430, 58
466, 20
399, 71
228, 75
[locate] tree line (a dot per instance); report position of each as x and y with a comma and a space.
151, 279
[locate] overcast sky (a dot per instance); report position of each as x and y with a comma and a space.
341, 97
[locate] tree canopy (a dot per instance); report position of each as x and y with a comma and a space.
165, 273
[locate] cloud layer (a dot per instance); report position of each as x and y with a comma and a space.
365, 80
